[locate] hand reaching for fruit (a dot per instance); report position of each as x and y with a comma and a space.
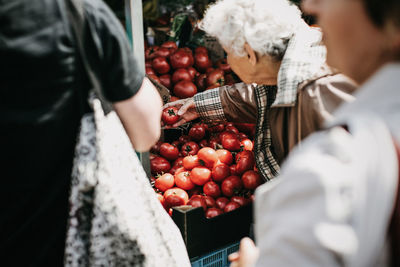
187, 111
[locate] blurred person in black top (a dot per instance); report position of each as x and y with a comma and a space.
40, 75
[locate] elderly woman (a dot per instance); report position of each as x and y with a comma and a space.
345, 210
288, 89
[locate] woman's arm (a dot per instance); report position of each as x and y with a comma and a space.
141, 116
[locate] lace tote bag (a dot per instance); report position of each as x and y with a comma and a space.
115, 218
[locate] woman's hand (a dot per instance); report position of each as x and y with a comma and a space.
246, 256
187, 111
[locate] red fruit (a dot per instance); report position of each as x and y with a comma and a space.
245, 161
247, 144
161, 199
165, 80
200, 175
233, 169
197, 132
154, 77
181, 59
149, 52
204, 143
231, 142
209, 70
159, 165
213, 212
210, 202
231, 206
178, 170
223, 65
221, 202
197, 201
189, 162
164, 182
240, 200
148, 64
229, 79
169, 151
208, 155
201, 82
156, 147
160, 65
170, 45
175, 197
251, 179
200, 49
225, 156
174, 169
184, 138
202, 61
178, 162
217, 128
231, 185
170, 115
181, 75
231, 128
182, 180
173, 98
220, 172
242, 136
216, 78
187, 50
193, 72
150, 70
212, 189
185, 89
197, 190
163, 52
189, 148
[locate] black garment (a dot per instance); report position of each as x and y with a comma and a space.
39, 118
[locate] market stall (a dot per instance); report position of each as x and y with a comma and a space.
204, 173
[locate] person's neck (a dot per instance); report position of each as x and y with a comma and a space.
267, 71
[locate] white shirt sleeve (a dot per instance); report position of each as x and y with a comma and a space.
322, 209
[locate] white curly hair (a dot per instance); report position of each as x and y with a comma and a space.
266, 25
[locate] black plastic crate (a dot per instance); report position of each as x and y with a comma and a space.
202, 235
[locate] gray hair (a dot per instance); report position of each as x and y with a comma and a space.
266, 25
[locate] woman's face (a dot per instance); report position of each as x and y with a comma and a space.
241, 66
254, 69
355, 45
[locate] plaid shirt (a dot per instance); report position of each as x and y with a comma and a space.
303, 58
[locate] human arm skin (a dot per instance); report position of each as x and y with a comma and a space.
141, 115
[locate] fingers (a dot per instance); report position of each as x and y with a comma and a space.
176, 103
248, 252
246, 256
233, 257
187, 105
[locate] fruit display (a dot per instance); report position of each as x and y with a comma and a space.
184, 71
211, 166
